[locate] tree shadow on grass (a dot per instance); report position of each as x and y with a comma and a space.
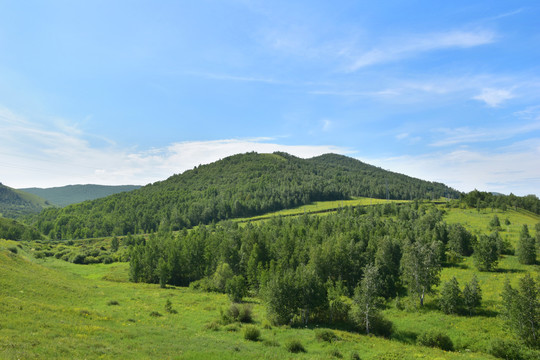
508, 271
405, 336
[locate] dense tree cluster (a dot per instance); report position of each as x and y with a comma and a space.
481, 200
237, 186
13, 230
306, 267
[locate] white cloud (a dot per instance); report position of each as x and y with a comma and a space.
43, 156
400, 48
508, 170
494, 97
465, 135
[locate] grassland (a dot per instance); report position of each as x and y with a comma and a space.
53, 309
319, 207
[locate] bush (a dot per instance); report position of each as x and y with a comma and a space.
169, 308
505, 349
294, 346
336, 353
325, 335
237, 312
204, 284
355, 356
155, 314
77, 258
270, 343
214, 326
107, 260
13, 249
434, 338
113, 302
252, 333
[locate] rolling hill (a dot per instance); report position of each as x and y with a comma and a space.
237, 186
15, 203
72, 194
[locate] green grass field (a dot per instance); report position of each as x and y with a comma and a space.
321, 207
53, 309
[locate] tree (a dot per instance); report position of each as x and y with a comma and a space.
281, 296
236, 288
450, 300
366, 301
421, 268
221, 276
114, 244
387, 259
472, 295
522, 309
526, 247
495, 223
486, 252
460, 240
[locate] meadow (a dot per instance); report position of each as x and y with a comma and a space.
51, 308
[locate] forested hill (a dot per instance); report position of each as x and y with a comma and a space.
237, 186
72, 194
16, 203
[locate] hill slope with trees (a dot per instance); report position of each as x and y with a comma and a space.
15, 203
72, 194
237, 186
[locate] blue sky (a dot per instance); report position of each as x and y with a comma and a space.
131, 92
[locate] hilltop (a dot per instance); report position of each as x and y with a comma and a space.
72, 194
237, 186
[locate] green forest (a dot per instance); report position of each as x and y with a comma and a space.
238, 186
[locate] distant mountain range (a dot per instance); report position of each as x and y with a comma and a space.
72, 194
237, 186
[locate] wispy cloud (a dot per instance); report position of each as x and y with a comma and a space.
401, 48
468, 135
494, 97
505, 170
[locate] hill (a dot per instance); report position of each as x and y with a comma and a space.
15, 203
238, 186
72, 194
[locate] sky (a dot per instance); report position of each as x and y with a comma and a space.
132, 92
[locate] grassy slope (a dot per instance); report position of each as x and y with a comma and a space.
54, 309
474, 332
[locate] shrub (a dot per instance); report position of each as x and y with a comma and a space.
252, 333
434, 338
107, 260
155, 314
237, 312
13, 249
505, 349
232, 328
294, 346
214, 326
270, 343
266, 324
325, 335
336, 353
113, 302
355, 356
77, 258
169, 308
